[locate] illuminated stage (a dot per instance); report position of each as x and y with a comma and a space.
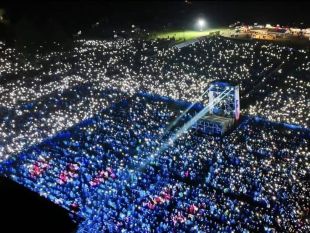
222, 115
212, 124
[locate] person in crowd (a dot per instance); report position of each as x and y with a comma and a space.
83, 128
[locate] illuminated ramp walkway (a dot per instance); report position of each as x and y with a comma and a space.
186, 43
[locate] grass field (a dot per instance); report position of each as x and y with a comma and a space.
181, 36
185, 35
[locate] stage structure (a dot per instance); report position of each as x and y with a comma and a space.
222, 115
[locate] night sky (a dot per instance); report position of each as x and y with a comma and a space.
175, 13
32, 23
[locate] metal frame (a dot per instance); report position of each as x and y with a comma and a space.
223, 114
230, 105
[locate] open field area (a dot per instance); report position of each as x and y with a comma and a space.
187, 35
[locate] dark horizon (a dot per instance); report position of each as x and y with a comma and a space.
175, 13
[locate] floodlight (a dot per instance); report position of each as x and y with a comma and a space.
201, 23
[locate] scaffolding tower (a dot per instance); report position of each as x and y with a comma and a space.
223, 115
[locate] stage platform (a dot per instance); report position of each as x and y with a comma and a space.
213, 124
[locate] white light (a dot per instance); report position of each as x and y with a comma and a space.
201, 23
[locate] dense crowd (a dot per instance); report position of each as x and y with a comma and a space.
250, 180
278, 75
84, 136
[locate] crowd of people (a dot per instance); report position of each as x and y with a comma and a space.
75, 128
249, 180
291, 101
133, 65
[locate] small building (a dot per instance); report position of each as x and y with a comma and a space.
263, 36
277, 33
306, 32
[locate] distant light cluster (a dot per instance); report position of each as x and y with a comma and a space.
130, 65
